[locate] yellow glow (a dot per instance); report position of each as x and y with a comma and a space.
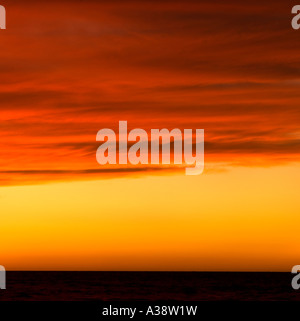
242, 219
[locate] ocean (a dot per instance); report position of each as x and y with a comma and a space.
148, 286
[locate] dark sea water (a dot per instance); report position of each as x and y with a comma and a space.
150, 286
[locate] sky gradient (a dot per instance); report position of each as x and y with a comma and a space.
71, 68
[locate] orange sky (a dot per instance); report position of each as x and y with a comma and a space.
70, 68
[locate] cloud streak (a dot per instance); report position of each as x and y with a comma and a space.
70, 68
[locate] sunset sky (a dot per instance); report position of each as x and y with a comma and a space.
71, 68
